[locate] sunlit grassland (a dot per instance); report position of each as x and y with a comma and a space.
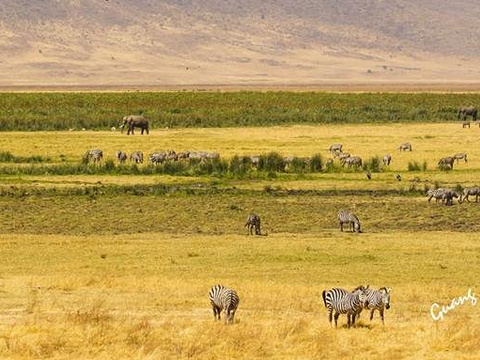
145, 295
430, 142
104, 272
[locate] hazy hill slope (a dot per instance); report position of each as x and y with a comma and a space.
243, 41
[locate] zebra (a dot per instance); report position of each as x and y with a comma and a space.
121, 156
355, 161
460, 156
223, 298
253, 222
340, 301
387, 159
377, 300
436, 193
446, 161
350, 219
342, 156
335, 148
471, 191
405, 147
94, 155
171, 155
137, 156
157, 158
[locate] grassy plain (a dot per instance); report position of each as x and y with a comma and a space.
113, 274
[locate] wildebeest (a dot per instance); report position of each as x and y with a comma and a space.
460, 156
465, 111
446, 161
405, 147
133, 121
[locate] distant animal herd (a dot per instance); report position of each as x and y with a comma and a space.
337, 301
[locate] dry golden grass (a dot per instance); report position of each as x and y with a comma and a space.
145, 296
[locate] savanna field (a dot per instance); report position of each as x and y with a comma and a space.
115, 261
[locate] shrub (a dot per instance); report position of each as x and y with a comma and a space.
374, 164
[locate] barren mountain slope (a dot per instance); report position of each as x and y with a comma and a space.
238, 42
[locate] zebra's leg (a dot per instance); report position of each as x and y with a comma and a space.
216, 312
381, 315
335, 317
330, 316
341, 226
371, 314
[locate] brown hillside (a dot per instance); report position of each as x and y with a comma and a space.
244, 42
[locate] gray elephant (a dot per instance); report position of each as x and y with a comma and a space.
133, 121
463, 112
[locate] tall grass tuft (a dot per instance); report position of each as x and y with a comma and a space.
374, 164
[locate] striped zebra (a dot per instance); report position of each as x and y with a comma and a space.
471, 191
446, 161
158, 157
253, 222
121, 156
387, 159
223, 298
377, 300
355, 161
93, 155
449, 195
137, 156
405, 147
460, 156
335, 148
436, 193
349, 218
340, 301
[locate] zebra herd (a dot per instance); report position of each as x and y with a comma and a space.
155, 158
337, 301
446, 196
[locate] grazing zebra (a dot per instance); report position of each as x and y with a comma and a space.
340, 301
460, 156
471, 191
447, 161
121, 156
436, 193
399, 177
223, 298
355, 161
171, 155
349, 218
387, 159
342, 156
405, 147
335, 148
137, 156
464, 111
94, 155
183, 155
253, 222
377, 300
157, 158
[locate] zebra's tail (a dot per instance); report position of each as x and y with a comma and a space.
324, 297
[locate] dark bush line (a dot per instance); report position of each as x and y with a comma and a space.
101, 111
8, 157
93, 191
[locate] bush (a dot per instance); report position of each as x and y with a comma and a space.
272, 162
316, 163
374, 164
414, 166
